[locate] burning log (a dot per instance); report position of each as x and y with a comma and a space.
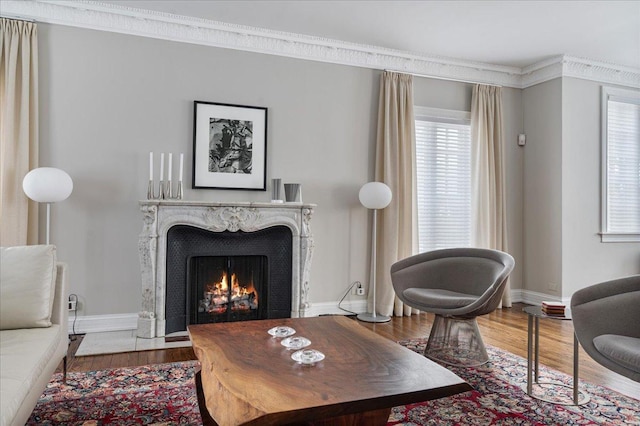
245, 302
219, 296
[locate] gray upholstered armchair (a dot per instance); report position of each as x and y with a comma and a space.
457, 285
606, 319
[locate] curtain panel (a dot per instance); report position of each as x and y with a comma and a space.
18, 130
488, 203
395, 166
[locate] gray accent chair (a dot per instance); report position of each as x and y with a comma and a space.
606, 319
457, 285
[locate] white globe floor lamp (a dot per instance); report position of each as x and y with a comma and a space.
374, 196
47, 185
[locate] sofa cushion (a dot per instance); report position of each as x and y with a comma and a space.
622, 350
27, 286
24, 356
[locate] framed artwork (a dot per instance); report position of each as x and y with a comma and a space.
229, 146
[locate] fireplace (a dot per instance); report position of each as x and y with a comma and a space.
199, 260
187, 248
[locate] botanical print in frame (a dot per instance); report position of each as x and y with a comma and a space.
229, 146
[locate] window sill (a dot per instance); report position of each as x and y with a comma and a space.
612, 237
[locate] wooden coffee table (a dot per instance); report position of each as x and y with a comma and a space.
248, 377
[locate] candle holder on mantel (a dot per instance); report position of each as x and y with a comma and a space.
168, 193
165, 191
165, 188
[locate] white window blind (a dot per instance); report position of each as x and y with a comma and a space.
443, 172
621, 165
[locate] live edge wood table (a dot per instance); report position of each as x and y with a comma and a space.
248, 378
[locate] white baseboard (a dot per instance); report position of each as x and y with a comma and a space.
118, 322
331, 308
101, 323
535, 298
517, 296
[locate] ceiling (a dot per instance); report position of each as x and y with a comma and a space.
510, 33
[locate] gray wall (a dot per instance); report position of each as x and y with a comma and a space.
108, 99
562, 247
542, 106
586, 260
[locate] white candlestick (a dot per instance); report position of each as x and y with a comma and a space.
170, 175
151, 166
181, 165
162, 167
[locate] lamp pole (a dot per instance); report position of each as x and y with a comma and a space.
374, 196
48, 221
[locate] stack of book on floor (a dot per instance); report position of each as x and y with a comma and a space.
553, 308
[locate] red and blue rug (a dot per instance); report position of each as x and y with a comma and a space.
499, 398
164, 394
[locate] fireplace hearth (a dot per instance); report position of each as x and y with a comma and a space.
183, 241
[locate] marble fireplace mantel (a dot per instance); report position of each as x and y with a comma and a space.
161, 215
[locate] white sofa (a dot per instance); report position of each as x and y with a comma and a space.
33, 327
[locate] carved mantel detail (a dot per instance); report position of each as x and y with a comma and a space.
232, 219
160, 216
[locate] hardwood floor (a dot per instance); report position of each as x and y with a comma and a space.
504, 328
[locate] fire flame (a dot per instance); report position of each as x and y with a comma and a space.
240, 297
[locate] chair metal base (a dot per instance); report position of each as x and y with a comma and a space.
456, 341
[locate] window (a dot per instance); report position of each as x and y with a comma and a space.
443, 172
620, 165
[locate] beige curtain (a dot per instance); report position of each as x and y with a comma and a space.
395, 153
18, 130
489, 225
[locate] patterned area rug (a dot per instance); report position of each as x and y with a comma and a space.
164, 394
499, 398
159, 394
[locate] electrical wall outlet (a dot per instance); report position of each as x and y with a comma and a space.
522, 139
357, 288
73, 303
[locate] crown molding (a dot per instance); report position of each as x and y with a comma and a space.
125, 20
540, 72
586, 69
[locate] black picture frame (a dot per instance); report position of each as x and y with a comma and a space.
229, 146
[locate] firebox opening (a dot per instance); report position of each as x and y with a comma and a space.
227, 288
